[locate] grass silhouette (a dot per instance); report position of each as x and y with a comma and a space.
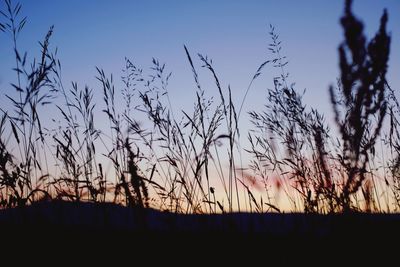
168, 165
170, 193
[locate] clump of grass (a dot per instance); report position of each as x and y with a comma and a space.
289, 141
32, 91
392, 142
326, 182
363, 91
75, 147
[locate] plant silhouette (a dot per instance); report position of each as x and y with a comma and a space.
167, 163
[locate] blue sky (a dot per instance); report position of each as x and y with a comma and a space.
233, 33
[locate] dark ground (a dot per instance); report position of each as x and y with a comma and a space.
106, 232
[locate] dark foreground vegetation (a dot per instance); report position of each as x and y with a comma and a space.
193, 162
111, 217
104, 232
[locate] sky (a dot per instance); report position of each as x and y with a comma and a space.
101, 33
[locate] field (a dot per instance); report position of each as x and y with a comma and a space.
182, 175
104, 231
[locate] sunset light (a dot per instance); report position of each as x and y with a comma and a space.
272, 119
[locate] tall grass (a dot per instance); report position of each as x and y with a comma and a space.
33, 90
291, 142
295, 142
363, 91
176, 160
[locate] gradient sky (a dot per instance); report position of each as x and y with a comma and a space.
90, 33
233, 33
